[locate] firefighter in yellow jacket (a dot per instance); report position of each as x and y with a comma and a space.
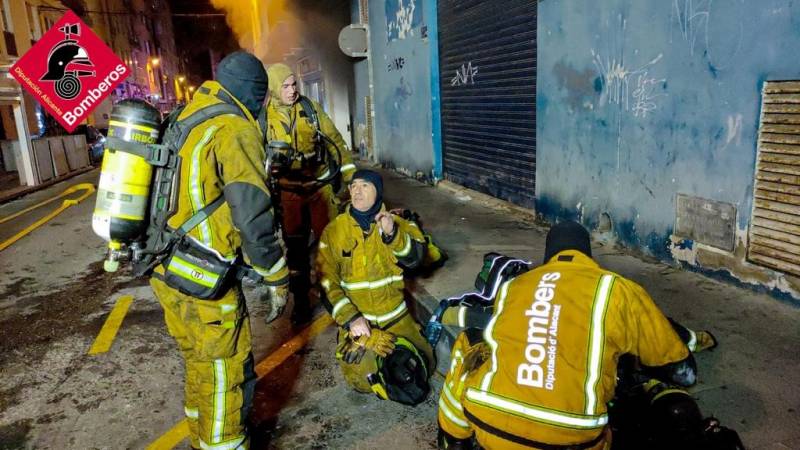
361, 258
223, 157
307, 205
542, 372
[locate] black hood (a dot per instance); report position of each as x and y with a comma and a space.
567, 235
243, 75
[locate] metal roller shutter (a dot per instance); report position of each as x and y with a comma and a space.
487, 63
775, 222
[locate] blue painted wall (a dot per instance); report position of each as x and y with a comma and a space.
361, 90
641, 99
400, 53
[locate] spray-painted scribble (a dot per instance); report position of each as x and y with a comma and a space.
694, 19
633, 89
396, 64
464, 75
402, 16
734, 132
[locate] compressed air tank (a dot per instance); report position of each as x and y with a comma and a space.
122, 196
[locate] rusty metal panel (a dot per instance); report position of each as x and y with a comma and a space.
783, 98
782, 87
781, 109
774, 239
706, 221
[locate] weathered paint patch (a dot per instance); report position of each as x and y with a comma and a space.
578, 86
401, 86
676, 95
402, 18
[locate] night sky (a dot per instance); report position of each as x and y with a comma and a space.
194, 36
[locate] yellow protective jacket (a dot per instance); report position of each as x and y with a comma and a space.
551, 351
292, 125
362, 275
225, 156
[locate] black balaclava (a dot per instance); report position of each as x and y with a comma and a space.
366, 218
243, 75
567, 236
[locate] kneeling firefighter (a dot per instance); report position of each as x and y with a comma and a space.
210, 242
543, 371
320, 162
361, 258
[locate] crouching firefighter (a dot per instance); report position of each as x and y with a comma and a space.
211, 239
543, 371
361, 258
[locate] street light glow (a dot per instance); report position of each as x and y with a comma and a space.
155, 61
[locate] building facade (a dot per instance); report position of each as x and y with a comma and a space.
668, 127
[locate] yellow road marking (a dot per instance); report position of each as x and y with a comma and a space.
109, 331
180, 431
87, 187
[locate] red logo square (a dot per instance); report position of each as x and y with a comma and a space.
70, 70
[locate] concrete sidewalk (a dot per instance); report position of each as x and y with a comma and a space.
751, 382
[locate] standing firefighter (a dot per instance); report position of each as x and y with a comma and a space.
222, 158
543, 371
361, 258
308, 200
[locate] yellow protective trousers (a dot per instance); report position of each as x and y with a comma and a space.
356, 374
214, 339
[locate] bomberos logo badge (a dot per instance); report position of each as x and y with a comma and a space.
70, 71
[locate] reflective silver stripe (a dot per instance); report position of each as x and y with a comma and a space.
692, 341
322, 244
597, 340
535, 413
196, 185
206, 247
451, 398
273, 270
347, 167
487, 335
406, 248
451, 415
371, 284
226, 308
339, 305
191, 413
233, 444
457, 356
462, 316
401, 308
220, 388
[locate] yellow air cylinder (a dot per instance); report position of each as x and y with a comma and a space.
120, 213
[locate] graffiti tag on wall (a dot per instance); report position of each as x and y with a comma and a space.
694, 19
464, 75
402, 16
396, 64
633, 90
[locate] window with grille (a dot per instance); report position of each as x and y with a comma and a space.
775, 223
